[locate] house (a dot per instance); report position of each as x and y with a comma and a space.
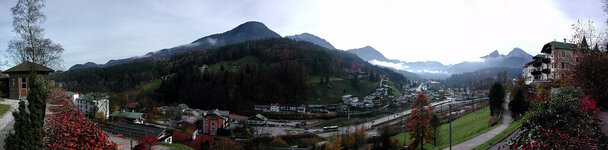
94, 101
287, 108
346, 98
194, 141
258, 119
182, 107
555, 61
135, 117
18, 76
235, 121
301, 109
73, 96
264, 108
163, 110
275, 107
213, 121
317, 108
537, 70
133, 106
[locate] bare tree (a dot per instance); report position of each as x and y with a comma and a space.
30, 45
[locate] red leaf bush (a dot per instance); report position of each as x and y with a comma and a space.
71, 129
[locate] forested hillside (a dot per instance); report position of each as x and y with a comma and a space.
276, 70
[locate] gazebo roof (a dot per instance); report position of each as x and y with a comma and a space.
26, 66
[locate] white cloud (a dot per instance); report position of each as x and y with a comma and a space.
398, 66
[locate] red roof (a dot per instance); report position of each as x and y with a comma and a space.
303, 105
182, 138
237, 117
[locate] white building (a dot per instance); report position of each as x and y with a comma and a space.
275, 108
91, 101
73, 96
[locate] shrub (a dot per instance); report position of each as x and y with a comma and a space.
561, 123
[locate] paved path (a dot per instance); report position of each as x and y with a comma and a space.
480, 139
7, 120
604, 117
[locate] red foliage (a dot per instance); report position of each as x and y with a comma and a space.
419, 119
146, 142
588, 105
70, 129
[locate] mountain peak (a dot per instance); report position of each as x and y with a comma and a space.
518, 52
494, 54
312, 39
368, 53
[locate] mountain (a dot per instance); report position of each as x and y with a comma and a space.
273, 70
311, 38
368, 53
251, 30
85, 65
435, 70
494, 54
469, 78
517, 52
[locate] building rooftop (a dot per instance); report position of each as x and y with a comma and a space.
95, 96
130, 115
26, 66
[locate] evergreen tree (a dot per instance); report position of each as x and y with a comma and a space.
19, 139
497, 97
435, 123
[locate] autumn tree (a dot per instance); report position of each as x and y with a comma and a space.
591, 75
278, 142
30, 45
419, 121
497, 98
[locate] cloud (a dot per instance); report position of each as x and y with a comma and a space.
398, 66
212, 41
428, 71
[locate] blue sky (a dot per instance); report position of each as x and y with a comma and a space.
449, 31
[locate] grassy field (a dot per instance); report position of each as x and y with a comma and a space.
4, 109
512, 127
327, 94
463, 128
155, 84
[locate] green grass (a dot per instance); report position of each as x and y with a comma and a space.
175, 146
4, 109
512, 127
332, 93
155, 84
463, 128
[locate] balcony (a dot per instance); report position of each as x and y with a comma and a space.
546, 71
546, 60
536, 72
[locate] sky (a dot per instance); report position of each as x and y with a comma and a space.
448, 31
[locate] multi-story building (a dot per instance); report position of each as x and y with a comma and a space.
91, 101
555, 61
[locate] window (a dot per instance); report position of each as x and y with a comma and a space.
23, 83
